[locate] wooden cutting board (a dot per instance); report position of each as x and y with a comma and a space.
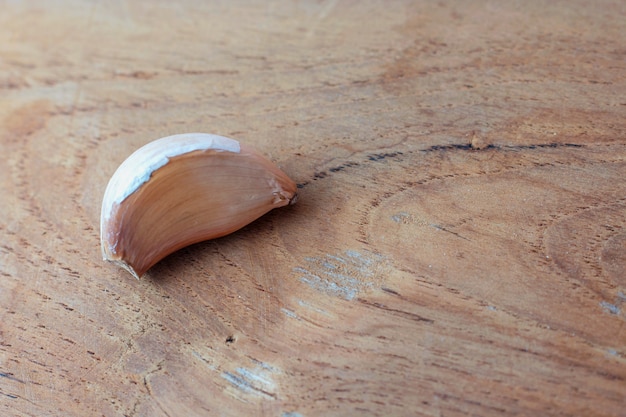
458, 248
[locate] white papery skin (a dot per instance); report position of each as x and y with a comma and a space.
140, 165
184, 189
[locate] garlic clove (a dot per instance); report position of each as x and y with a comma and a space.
184, 189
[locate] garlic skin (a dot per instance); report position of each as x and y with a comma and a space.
185, 189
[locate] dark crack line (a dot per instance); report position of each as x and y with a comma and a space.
401, 313
380, 157
443, 229
11, 377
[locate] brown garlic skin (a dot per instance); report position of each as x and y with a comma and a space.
182, 190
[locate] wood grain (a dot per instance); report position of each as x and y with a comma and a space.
458, 248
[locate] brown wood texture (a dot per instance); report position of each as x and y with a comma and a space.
458, 248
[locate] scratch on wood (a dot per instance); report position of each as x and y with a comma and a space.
291, 414
210, 365
400, 313
290, 313
390, 291
342, 276
611, 308
257, 381
443, 229
10, 377
13, 397
303, 303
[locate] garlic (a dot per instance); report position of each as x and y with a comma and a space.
184, 189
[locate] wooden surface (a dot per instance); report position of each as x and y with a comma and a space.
459, 246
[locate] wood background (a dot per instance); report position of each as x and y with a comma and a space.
458, 248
